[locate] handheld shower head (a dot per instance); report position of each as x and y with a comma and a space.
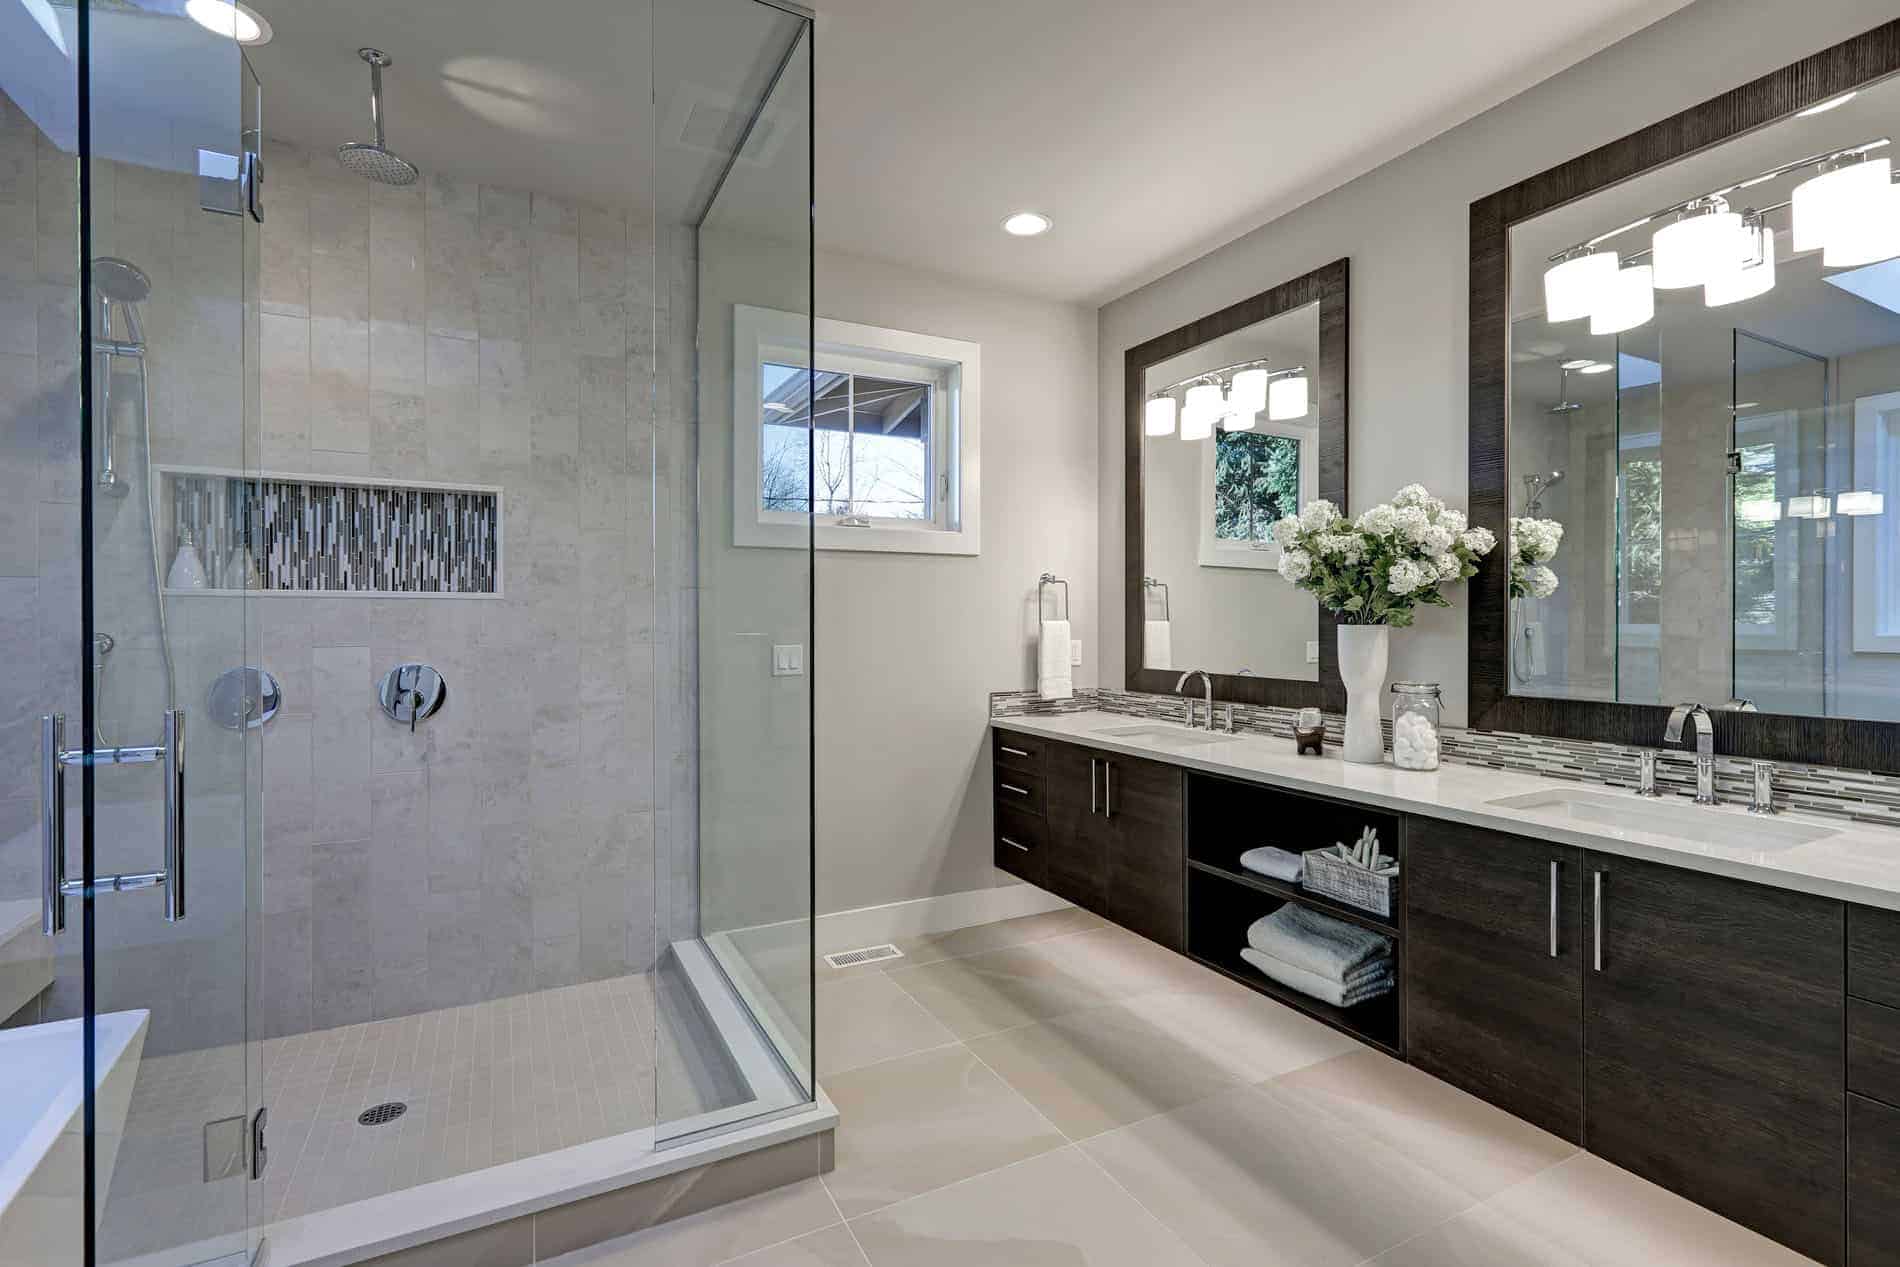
373, 159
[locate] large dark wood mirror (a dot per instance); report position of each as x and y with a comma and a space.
1232, 422
1685, 350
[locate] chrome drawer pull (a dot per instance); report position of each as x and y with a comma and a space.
1094, 806
1598, 921
1013, 752
1011, 787
1012, 844
1554, 864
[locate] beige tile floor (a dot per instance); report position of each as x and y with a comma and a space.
1054, 1092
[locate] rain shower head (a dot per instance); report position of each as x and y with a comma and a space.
1564, 407
120, 280
373, 159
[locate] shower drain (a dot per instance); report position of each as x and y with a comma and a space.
379, 1114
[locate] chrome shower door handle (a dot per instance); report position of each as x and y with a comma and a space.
174, 815
52, 824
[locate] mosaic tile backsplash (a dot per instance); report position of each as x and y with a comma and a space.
1855, 794
321, 537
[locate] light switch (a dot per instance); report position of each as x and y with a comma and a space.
1312, 651
788, 660
1075, 652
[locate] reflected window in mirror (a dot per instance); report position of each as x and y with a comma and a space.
1704, 390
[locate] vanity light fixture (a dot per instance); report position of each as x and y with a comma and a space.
1573, 285
1628, 302
1202, 410
237, 22
1840, 200
1871, 234
1815, 507
1287, 397
1158, 416
1760, 510
1248, 394
1752, 275
1860, 502
1699, 245
1027, 224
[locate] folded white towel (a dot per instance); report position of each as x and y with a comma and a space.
1053, 678
1157, 644
1318, 987
1317, 943
1277, 863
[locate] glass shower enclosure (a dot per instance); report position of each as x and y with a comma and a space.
397, 782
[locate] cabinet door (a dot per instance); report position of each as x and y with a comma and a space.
1873, 1184
1075, 860
1714, 1045
1494, 969
1145, 894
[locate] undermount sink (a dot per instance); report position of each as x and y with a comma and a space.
1701, 825
1180, 736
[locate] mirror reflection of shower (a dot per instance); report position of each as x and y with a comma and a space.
1523, 631
120, 286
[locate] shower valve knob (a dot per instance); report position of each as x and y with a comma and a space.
410, 693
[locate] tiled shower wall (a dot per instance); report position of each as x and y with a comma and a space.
452, 332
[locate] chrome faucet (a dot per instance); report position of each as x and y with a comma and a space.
1704, 747
1207, 684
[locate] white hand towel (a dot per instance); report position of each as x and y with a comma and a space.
1053, 678
1315, 986
1317, 943
1277, 863
1157, 644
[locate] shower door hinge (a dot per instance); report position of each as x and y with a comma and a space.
1734, 461
260, 1155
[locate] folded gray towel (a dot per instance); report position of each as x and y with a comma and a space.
1317, 943
1318, 987
1277, 863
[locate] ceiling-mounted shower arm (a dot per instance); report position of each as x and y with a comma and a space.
377, 59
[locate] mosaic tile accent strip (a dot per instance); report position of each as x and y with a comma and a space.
324, 537
1860, 795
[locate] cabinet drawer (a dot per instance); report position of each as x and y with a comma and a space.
1873, 1050
1873, 954
1021, 841
1017, 751
1873, 1184
1019, 790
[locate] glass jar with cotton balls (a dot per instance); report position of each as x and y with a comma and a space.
1416, 710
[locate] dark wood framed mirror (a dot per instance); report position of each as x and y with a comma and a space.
1761, 491
1207, 475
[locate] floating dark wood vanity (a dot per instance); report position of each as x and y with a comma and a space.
1734, 1042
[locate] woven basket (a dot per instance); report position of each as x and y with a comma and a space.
1331, 876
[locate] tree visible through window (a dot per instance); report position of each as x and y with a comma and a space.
839, 443
1256, 482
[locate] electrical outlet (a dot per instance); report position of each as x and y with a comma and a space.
788, 660
1075, 652
1312, 651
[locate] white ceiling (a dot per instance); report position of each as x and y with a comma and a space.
1150, 132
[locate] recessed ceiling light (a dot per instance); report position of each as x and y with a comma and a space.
234, 21
1595, 367
1027, 224
1827, 105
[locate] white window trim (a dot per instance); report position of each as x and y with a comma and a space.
1216, 553
765, 334
1876, 558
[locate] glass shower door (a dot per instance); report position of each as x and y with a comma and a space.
132, 829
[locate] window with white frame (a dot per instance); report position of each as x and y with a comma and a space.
1250, 480
874, 446
1877, 534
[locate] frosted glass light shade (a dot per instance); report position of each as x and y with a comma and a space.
1203, 409
1240, 419
1867, 233
1815, 507
1825, 205
1628, 302
1696, 248
1287, 398
1860, 502
1249, 392
1764, 510
1749, 277
1158, 417
1571, 287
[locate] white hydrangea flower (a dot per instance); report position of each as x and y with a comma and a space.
1449, 566
1411, 522
1541, 581
1452, 521
1348, 547
1286, 531
1406, 576
1377, 522
1295, 565
1537, 538
1411, 495
1436, 539
1479, 540
1318, 515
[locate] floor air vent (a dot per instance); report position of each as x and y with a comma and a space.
864, 954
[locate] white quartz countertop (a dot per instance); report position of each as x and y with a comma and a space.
1855, 862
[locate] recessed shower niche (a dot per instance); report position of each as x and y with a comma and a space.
278, 533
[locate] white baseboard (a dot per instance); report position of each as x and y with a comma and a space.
872, 925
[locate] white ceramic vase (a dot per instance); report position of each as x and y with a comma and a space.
1362, 660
